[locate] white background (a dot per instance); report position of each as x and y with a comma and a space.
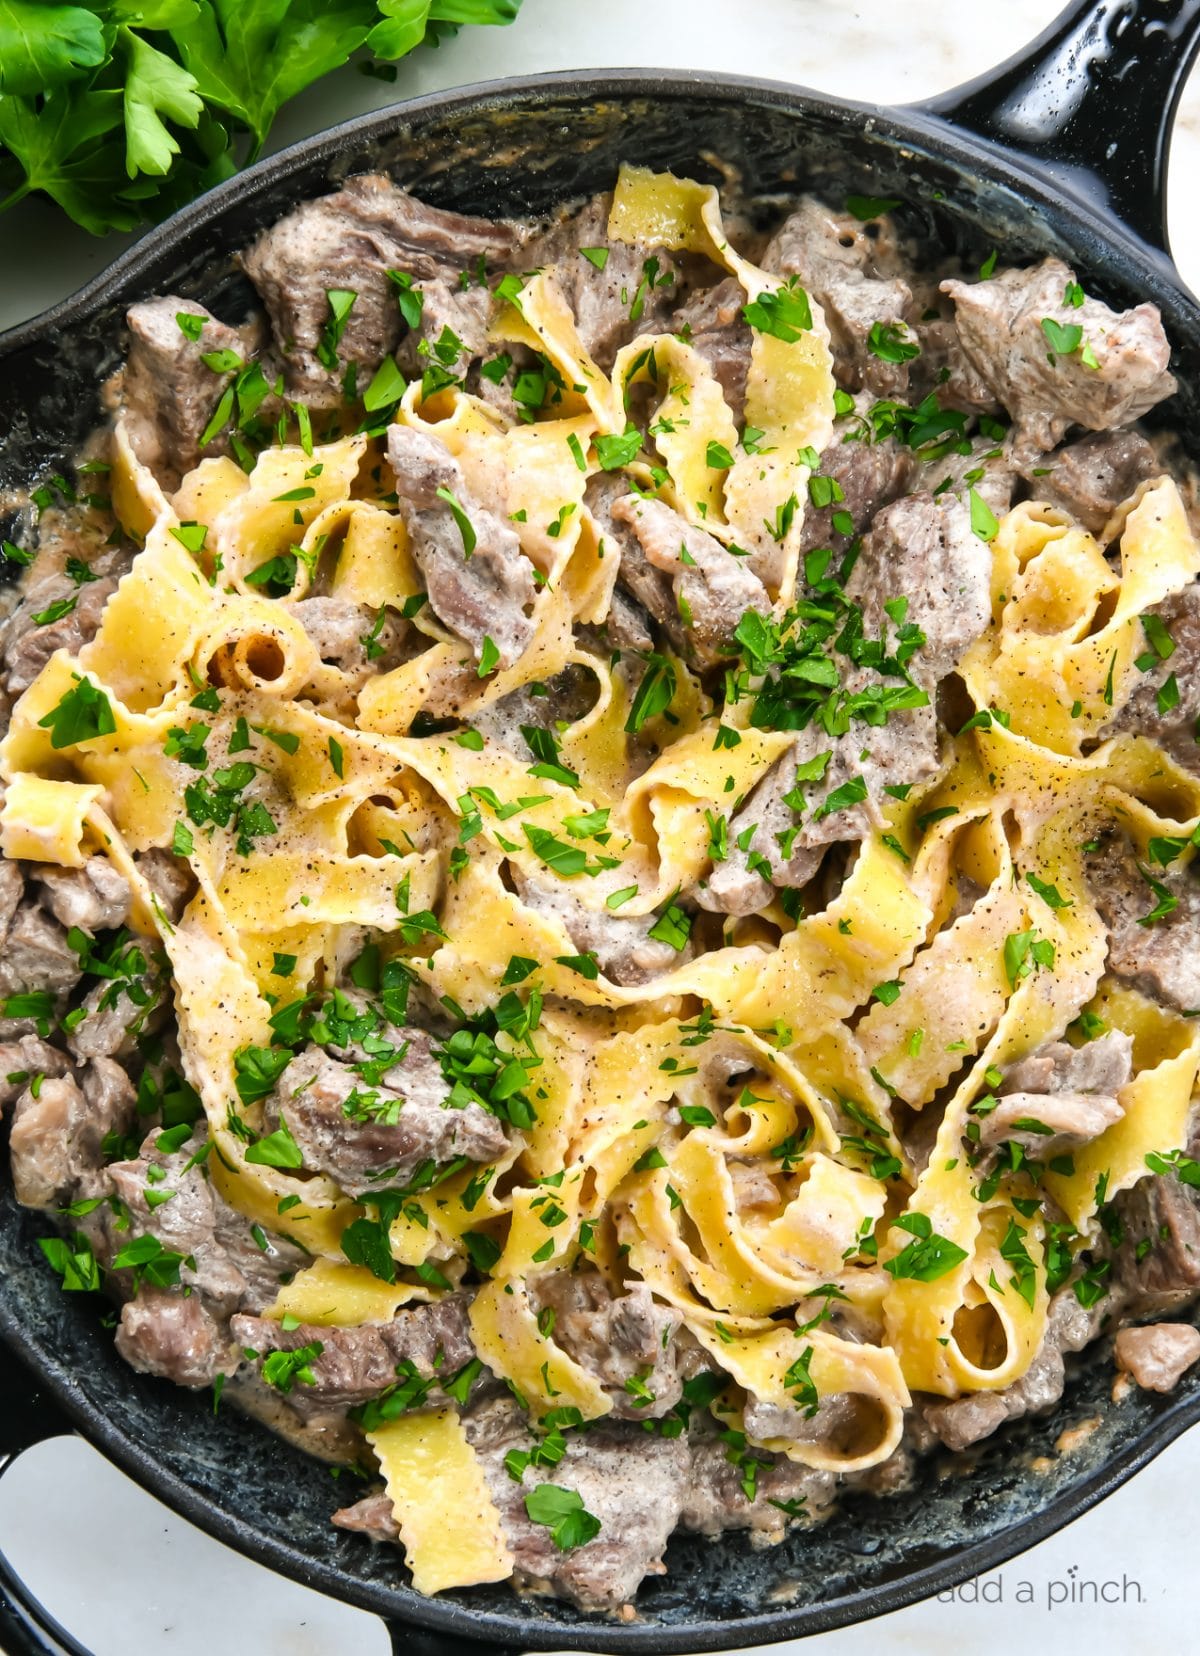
121, 1572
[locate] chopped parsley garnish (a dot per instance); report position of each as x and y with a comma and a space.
926, 1258
81, 715
784, 312
563, 1513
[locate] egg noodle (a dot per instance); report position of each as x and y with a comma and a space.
847, 1022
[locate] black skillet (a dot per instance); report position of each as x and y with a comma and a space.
1063, 149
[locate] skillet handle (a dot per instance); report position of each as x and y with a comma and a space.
1090, 105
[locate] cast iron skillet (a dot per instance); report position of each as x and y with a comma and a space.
1063, 149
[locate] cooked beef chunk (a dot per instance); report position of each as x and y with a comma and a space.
711, 321
1061, 1096
360, 1362
616, 304
169, 878
340, 631
57, 1135
36, 954
481, 596
905, 749
943, 366
1163, 959
716, 1498
1091, 478
12, 889
170, 1199
1157, 1265
990, 472
23, 1059
452, 336
357, 1133
1174, 728
854, 278
169, 391
94, 897
27, 648
712, 589
925, 551
626, 627
112, 1023
647, 587
1046, 389
634, 1483
563, 699
625, 1339
348, 242
870, 476
372, 1516
1159, 1356
965, 1420
174, 1336
263, 1258
622, 945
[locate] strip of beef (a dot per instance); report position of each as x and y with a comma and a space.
989, 471
167, 1197
169, 878
176, 1337
1159, 1356
264, 1259
1061, 1096
1174, 727
615, 304
626, 627
452, 338
348, 242
1045, 378
634, 1483
59, 1129
357, 1134
358, 1363
481, 595
925, 551
966, 1420
716, 1498
12, 889
561, 700
791, 842
711, 321
340, 630
622, 945
28, 646
854, 277
94, 898
626, 1340
1157, 1264
1161, 959
169, 391
24, 1059
943, 366
1089, 479
869, 475
647, 587
36, 954
112, 1023
712, 588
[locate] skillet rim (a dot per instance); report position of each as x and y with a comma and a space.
921, 134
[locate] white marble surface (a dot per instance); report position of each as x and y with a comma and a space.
121, 1572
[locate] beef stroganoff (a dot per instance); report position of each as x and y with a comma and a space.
597, 840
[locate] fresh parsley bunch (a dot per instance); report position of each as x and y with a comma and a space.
122, 110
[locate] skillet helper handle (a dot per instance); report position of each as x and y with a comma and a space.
1090, 104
